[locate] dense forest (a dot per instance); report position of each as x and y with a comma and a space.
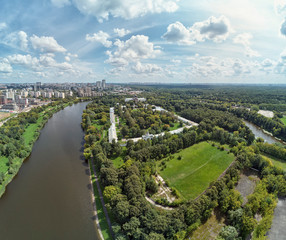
125, 187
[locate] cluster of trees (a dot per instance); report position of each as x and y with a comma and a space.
273, 150
124, 188
275, 126
136, 121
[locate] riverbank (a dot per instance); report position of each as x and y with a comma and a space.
29, 136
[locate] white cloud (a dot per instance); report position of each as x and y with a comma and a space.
2, 26
23, 40
121, 32
60, 3
280, 6
176, 61
5, 67
17, 40
24, 60
101, 37
146, 68
178, 33
126, 9
132, 50
46, 44
283, 28
244, 40
215, 29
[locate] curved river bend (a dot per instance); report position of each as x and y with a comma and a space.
50, 199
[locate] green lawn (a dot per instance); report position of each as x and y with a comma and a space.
29, 133
176, 126
200, 165
283, 120
3, 164
276, 161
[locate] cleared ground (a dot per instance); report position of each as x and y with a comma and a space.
266, 113
199, 165
4, 115
247, 183
210, 229
278, 230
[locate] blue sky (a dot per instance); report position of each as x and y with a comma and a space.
169, 41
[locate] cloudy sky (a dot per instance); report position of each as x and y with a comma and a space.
169, 41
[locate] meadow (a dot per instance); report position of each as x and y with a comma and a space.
192, 169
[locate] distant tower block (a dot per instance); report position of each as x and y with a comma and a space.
38, 84
98, 84
103, 83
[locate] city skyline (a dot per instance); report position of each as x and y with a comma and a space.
163, 41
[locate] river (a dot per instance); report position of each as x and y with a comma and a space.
50, 198
258, 132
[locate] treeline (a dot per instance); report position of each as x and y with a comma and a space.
208, 118
274, 125
273, 150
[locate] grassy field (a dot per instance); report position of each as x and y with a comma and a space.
276, 161
200, 165
283, 120
29, 133
101, 217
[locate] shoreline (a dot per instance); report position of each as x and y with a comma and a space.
22, 160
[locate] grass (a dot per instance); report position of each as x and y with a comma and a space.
276, 161
100, 213
176, 126
3, 164
119, 161
210, 229
283, 120
29, 133
200, 165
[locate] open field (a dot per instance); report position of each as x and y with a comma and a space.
247, 183
29, 133
283, 120
200, 164
266, 113
210, 229
276, 161
4, 115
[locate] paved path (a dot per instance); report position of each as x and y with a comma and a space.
102, 201
157, 205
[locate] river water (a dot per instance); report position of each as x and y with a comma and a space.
50, 199
258, 132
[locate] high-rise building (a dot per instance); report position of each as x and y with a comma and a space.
98, 84
38, 85
103, 83
3, 100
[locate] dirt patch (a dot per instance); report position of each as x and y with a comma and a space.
247, 183
211, 228
265, 113
4, 115
278, 230
164, 191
